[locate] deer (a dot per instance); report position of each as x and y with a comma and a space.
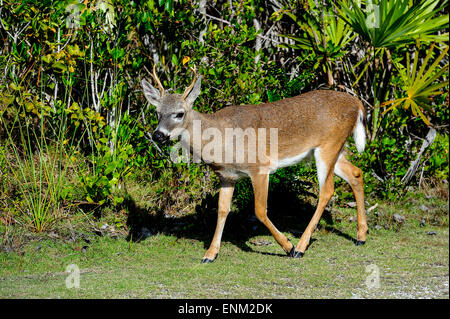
313, 125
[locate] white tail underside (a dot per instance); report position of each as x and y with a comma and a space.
359, 133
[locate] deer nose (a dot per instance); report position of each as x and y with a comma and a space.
159, 137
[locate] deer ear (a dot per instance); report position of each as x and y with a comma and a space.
195, 92
153, 95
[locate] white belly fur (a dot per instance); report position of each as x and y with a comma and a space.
289, 161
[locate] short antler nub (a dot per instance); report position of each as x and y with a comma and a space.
189, 88
155, 77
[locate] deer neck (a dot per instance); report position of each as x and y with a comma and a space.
197, 124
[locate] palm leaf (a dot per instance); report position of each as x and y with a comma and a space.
421, 86
399, 21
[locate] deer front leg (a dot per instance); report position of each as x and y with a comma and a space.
260, 188
225, 195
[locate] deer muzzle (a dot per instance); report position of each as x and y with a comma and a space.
160, 137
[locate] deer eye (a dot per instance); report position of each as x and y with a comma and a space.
178, 116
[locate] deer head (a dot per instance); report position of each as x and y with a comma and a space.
173, 109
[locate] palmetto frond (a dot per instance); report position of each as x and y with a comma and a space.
390, 23
420, 86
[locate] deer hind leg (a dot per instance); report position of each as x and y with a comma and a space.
260, 188
353, 175
225, 195
325, 161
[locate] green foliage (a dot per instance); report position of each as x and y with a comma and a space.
321, 32
293, 87
437, 165
391, 23
234, 73
111, 160
86, 75
40, 177
420, 86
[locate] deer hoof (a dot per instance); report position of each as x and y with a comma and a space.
291, 252
208, 260
297, 254
360, 242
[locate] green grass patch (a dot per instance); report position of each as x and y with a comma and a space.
411, 262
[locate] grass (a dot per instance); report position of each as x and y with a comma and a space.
412, 263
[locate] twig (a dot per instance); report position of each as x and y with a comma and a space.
429, 139
354, 94
148, 137
3, 26
265, 37
377, 177
228, 23
217, 19
372, 208
421, 173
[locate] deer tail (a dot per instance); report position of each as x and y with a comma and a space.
359, 132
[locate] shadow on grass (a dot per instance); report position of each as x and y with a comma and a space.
287, 211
